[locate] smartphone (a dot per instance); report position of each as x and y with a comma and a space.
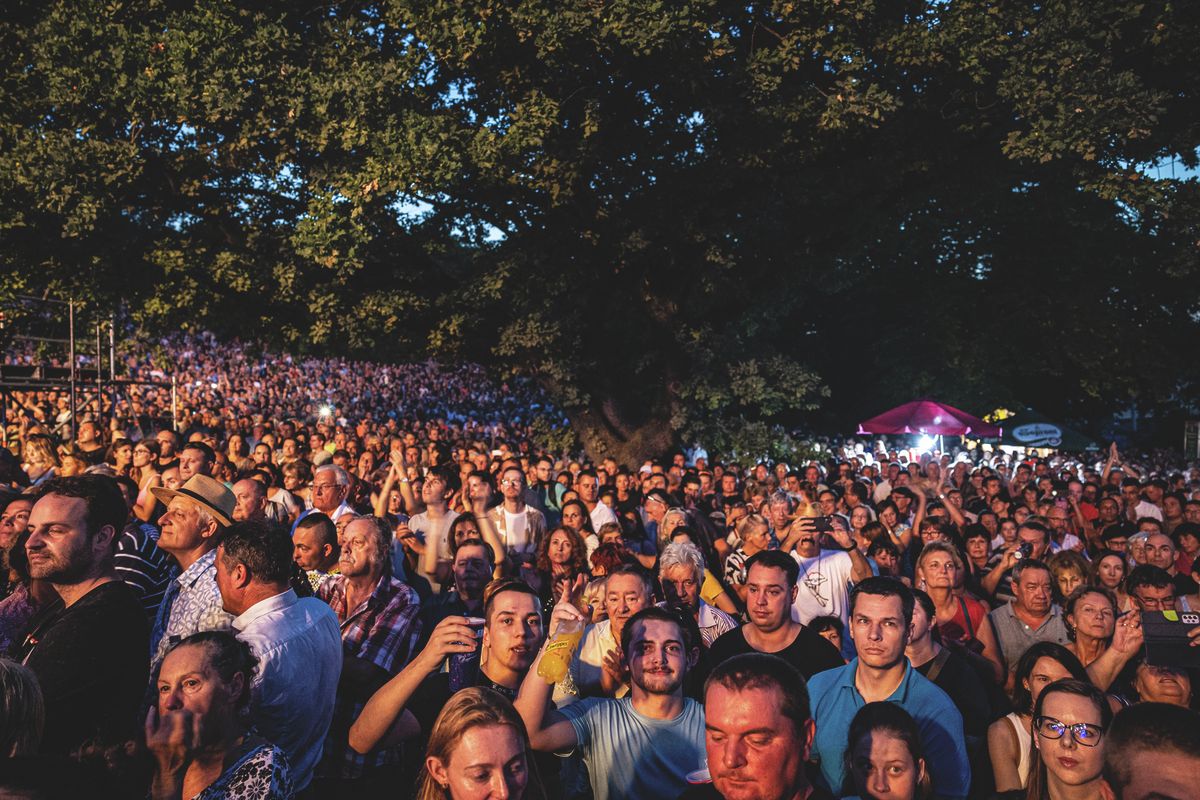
822, 524
1167, 640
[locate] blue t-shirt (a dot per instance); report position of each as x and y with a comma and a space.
835, 700
630, 756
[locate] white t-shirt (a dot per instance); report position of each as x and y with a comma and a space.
516, 538
823, 588
602, 514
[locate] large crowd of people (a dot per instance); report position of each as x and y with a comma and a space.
333, 579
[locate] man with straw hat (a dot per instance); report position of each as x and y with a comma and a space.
197, 513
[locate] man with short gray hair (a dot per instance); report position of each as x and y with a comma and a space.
681, 571
330, 487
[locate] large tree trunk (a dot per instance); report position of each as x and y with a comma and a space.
605, 432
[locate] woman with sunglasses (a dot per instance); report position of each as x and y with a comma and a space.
1069, 721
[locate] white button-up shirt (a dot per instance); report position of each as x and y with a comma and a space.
299, 649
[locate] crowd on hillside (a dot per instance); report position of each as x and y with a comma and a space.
336, 579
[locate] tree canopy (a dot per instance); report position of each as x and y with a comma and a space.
685, 219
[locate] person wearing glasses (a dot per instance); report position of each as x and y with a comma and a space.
519, 527
1069, 721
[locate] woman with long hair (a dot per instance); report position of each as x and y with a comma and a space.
478, 749
1108, 572
561, 557
883, 754
40, 458
1070, 718
1009, 738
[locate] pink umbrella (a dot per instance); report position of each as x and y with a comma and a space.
930, 418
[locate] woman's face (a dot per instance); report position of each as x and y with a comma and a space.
1163, 685
833, 636
572, 517
977, 548
670, 522
1071, 763
188, 682
560, 551
1068, 581
1093, 616
888, 517
487, 763
859, 518
883, 768
464, 531
123, 454
939, 570
14, 521
1045, 672
1111, 571
1008, 529
142, 455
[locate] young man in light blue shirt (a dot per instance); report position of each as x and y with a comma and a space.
643, 744
881, 611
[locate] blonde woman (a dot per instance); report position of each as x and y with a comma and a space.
40, 459
478, 749
961, 619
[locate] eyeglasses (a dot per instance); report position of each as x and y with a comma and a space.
1083, 733
509, 482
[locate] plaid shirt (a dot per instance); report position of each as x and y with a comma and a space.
382, 630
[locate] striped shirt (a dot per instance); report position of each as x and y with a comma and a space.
142, 565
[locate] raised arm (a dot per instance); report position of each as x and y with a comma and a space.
548, 730
384, 720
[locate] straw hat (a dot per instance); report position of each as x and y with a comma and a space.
209, 494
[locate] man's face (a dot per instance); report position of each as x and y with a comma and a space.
1035, 540
768, 598
1159, 774
512, 484
878, 630
14, 521
359, 554
588, 488
250, 499
901, 501
1160, 551
193, 462
1154, 598
171, 479
1191, 512
1131, 494
543, 471
754, 751
1032, 591
681, 586
657, 657
1057, 519
327, 493
624, 596
87, 433
307, 550
434, 489
471, 571
59, 548
166, 444
513, 632
180, 526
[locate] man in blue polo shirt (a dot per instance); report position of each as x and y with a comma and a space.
880, 624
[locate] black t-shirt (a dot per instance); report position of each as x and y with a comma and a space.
808, 652
969, 693
707, 791
93, 666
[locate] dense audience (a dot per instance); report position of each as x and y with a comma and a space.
333, 579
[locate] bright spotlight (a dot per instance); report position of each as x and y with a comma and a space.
925, 443
326, 410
